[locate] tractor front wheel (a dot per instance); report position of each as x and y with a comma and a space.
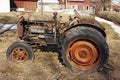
19, 52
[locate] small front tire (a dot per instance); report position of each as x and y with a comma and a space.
19, 52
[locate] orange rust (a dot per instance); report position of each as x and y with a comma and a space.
20, 28
19, 54
83, 55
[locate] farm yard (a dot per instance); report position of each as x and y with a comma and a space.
46, 65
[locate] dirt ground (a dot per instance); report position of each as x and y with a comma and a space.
46, 65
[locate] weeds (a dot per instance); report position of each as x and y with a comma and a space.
110, 15
9, 18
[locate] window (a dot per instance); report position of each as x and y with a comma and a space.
87, 7
80, 7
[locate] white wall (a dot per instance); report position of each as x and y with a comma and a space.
4, 6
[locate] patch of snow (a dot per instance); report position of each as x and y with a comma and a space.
20, 9
114, 26
8, 26
61, 11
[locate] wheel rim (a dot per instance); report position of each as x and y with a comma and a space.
19, 54
83, 55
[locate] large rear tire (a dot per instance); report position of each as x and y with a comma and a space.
84, 49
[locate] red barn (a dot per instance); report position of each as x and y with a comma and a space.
116, 7
82, 5
27, 5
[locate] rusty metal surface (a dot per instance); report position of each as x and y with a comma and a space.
40, 18
20, 28
19, 54
83, 55
87, 20
49, 27
40, 42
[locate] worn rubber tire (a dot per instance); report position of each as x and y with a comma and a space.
92, 35
24, 46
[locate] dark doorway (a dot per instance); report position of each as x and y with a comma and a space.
13, 6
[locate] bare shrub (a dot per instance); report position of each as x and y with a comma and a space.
110, 15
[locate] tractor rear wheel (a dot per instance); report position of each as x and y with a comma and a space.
19, 52
84, 49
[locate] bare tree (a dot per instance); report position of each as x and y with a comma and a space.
106, 4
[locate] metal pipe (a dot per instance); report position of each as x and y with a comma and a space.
65, 4
41, 7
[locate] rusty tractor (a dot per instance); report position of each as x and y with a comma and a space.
80, 40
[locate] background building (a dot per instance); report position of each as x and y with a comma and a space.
116, 7
90, 6
23, 5
4, 6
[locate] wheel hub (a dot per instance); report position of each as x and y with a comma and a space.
83, 55
19, 54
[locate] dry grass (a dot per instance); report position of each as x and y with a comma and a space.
9, 18
110, 15
114, 44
